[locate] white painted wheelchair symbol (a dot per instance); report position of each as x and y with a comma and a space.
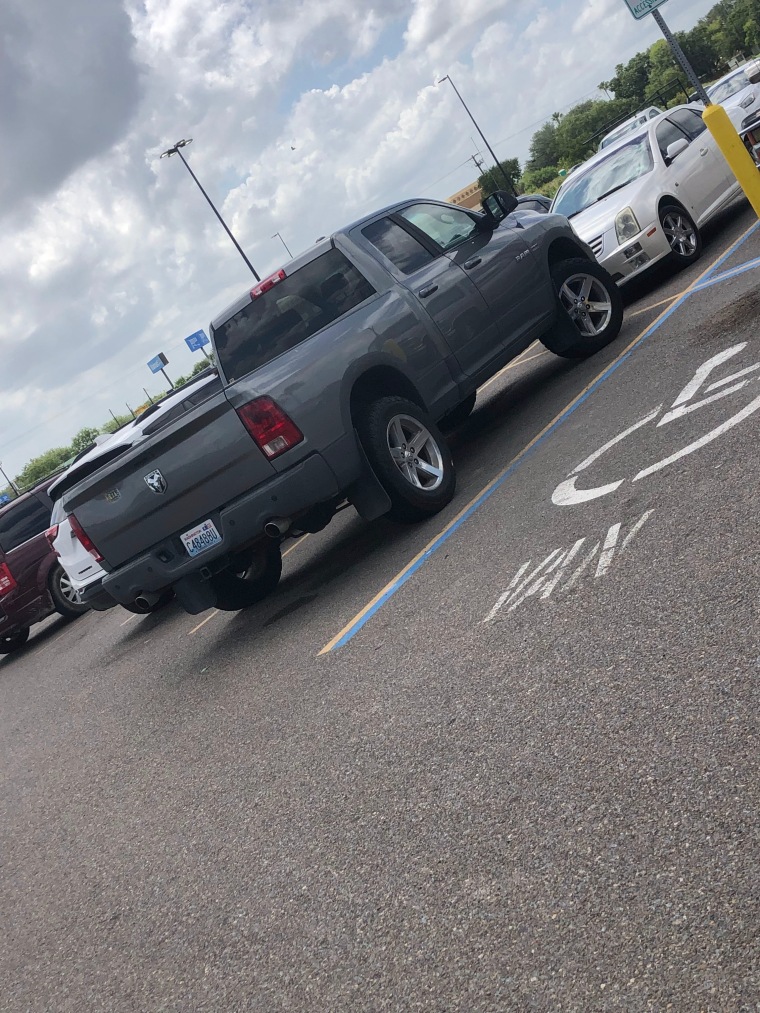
567, 493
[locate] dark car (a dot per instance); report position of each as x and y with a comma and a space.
32, 583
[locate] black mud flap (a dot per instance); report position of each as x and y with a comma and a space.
367, 494
195, 593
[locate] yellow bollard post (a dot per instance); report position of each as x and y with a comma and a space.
741, 162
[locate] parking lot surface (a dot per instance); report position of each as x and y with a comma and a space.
504, 760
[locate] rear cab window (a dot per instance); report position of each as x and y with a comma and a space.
289, 312
21, 521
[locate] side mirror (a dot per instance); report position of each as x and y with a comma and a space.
499, 205
675, 149
754, 75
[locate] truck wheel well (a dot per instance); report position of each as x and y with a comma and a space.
564, 249
380, 381
665, 202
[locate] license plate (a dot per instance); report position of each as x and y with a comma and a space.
197, 540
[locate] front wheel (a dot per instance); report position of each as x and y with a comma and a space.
10, 642
409, 456
590, 309
66, 600
238, 588
682, 235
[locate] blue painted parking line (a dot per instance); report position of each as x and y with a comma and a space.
386, 593
734, 272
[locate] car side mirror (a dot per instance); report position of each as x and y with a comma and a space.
499, 205
675, 149
753, 75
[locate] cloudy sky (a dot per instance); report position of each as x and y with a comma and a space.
305, 114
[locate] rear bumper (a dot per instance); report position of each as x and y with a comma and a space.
239, 523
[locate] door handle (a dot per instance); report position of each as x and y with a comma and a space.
425, 292
473, 263
703, 152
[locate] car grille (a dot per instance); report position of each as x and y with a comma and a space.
597, 245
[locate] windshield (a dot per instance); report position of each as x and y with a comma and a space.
626, 128
720, 92
620, 167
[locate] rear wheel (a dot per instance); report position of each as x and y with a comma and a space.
10, 642
409, 456
682, 235
238, 588
591, 309
66, 600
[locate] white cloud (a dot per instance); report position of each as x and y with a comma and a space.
111, 255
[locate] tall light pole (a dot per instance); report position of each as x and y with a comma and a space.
8, 480
496, 162
176, 151
277, 234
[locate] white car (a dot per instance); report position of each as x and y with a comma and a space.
81, 561
738, 96
646, 197
629, 126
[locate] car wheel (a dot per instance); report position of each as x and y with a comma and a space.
682, 234
459, 414
66, 600
409, 456
144, 610
10, 642
591, 309
236, 589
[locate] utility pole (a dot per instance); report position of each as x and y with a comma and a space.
10, 482
175, 150
278, 236
497, 164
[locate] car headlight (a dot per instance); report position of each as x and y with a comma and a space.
747, 102
626, 225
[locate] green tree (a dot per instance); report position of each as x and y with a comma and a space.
544, 149
83, 439
493, 179
113, 424
630, 80
40, 467
544, 180
581, 129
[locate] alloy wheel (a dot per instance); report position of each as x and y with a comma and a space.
681, 233
415, 452
588, 302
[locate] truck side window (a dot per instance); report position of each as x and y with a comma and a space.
446, 226
22, 522
289, 313
395, 243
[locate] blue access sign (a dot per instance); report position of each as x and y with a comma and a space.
640, 8
157, 363
4, 498
196, 340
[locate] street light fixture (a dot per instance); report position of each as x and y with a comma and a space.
175, 150
277, 234
496, 162
11, 483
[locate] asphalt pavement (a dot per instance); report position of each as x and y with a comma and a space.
506, 760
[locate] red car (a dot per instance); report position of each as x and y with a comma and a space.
32, 583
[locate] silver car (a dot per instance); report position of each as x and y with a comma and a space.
647, 197
738, 95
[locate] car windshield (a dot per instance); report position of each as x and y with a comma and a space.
726, 89
622, 131
621, 167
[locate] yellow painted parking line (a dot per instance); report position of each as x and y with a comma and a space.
656, 305
129, 619
294, 545
204, 621
385, 592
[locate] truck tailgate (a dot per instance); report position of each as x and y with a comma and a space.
203, 459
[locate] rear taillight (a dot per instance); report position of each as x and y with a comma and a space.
7, 580
84, 538
273, 431
51, 534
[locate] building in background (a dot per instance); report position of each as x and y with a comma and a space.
469, 197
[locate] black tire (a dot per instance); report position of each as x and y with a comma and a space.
65, 600
235, 591
10, 642
163, 600
591, 309
683, 236
392, 421
460, 414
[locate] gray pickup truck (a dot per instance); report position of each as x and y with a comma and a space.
336, 371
